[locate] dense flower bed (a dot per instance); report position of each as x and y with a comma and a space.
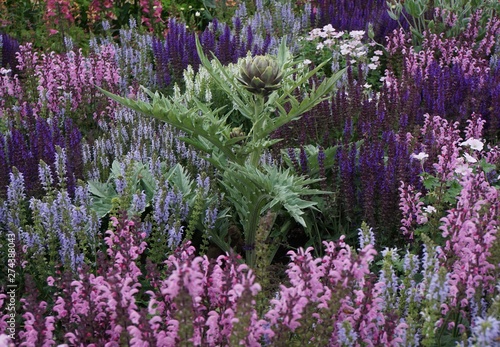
151, 196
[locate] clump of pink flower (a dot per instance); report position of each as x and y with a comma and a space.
337, 296
471, 230
55, 11
151, 13
64, 82
469, 226
100, 10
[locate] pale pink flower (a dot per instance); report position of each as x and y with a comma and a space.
463, 169
469, 158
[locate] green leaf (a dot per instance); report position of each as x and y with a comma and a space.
116, 170
102, 190
181, 179
485, 166
102, 206
147, 182
411, 8
182, 118
283, 54
430, 182
451, 194
209, 3
308, 102
312, 153
234, 90
235, 140
417, 33
431, 25
281, 187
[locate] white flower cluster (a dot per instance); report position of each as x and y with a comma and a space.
463, 168
462, 165
198, 85
349, 44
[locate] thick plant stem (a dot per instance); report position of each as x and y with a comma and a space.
255, 156
251, 230
256, 125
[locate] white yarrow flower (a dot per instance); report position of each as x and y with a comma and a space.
329, 28
357, 34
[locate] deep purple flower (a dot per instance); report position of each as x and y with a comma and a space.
303, 161
9, 47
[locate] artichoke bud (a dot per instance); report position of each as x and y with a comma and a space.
260, 75
236, 132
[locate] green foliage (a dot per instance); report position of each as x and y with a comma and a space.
24, 20
196, 14
238, 158
200, 86
255, 190
116, 195
196, 213
264, 255
327, 221
220, 9
137, 178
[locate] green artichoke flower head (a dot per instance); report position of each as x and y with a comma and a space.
236, 132
260, 75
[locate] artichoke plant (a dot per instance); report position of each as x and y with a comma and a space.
252, 188
261, 75
236, 132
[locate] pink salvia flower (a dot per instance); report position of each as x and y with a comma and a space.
335, 287
470, 230
411, 209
